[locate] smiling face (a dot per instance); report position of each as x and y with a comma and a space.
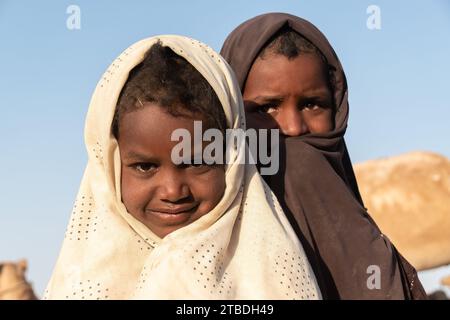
160, 194
290, 94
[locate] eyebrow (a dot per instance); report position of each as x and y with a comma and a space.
133, 155
313, 94
268, 98
136, 156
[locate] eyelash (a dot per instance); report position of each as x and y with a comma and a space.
310, 106
136, 166
197, 166
265, 108
139, 169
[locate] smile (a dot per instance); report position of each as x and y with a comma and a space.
173, 215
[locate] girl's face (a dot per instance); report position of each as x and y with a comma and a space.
292, 95
160, 194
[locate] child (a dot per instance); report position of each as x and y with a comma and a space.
144, 227
291, 79
163, 94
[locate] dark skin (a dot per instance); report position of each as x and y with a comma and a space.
160, 194
292, 95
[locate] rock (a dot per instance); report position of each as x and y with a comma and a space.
409, 198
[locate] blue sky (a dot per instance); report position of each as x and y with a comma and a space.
398, 86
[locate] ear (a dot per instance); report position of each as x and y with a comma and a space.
22, 266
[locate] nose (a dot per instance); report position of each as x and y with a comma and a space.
173, 187
291, 121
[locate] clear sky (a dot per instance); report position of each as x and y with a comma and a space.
398, 87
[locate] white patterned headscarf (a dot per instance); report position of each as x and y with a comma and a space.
242, 249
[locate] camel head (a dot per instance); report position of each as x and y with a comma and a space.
13, 284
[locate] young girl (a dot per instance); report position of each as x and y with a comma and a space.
291, 79
144, 227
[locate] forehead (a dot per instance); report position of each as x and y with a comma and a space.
278, 73
149, 130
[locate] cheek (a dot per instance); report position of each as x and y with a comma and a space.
135, 192
321, 123
209, 188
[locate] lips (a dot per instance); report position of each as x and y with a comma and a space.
175, 209
172, 216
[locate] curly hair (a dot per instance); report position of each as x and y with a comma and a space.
171, 82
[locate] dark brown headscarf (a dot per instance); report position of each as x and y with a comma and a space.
317, 187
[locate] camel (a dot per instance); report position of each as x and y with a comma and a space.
13, 285
409, 198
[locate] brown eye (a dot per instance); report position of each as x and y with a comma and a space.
195, 165
267, 108
144, 167
199, 165
311, 107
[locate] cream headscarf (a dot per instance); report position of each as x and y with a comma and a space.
243, 249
